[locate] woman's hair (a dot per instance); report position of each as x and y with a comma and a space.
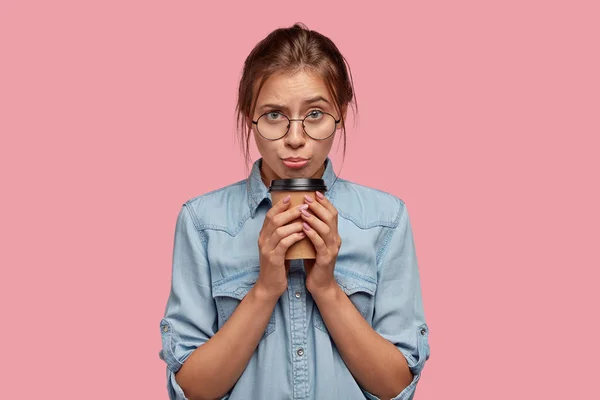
290, 50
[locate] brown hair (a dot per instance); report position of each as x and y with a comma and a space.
289, 50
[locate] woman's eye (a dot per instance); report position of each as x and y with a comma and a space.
315, 114
273, 115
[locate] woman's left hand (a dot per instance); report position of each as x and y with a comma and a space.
321, 226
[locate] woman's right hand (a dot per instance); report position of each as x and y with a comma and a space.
276, 236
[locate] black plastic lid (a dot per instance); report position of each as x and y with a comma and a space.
298, 185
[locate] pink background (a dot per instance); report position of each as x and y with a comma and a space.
482, 116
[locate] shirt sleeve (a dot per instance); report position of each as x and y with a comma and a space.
190, 315
398, 315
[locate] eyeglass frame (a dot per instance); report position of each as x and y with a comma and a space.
337, 121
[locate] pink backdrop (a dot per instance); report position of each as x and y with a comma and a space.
483, 117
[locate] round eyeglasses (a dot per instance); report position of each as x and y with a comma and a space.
274, 125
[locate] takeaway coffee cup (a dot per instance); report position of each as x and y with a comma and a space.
297, 188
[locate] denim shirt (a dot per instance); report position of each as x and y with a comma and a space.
216, 263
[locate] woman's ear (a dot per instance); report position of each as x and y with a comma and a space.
249, 122
343, 118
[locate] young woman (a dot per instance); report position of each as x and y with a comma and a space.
243, 323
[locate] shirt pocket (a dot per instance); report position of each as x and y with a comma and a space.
229, 292
359, 289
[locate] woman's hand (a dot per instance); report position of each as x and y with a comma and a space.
276, 236
321, 226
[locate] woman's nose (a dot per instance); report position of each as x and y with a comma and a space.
295, 137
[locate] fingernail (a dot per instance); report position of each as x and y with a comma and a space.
308, 198
286, 199
303, 207
320, 195
305, 213
306, 226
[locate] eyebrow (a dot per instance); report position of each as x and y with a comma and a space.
311, 100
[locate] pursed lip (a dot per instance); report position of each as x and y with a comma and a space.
294, 159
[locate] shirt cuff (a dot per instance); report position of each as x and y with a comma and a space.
415, 366
407, 394
175, 391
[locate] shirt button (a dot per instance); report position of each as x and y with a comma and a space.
165, 328
298, 295
423, 331
300, 352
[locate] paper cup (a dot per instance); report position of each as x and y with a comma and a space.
297, 188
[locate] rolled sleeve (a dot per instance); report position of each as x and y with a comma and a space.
399, 316
190, 314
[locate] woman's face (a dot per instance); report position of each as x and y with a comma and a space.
295, 96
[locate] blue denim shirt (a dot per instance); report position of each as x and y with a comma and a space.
216, 262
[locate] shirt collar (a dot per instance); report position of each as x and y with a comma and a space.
258, 192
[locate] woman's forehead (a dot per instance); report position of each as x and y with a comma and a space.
294, 89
